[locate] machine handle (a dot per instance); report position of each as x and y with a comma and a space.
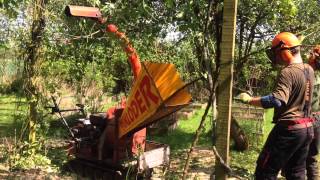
55, 108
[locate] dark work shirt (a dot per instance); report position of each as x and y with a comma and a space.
290, 90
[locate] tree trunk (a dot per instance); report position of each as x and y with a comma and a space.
30, 68
240, 139
225, 79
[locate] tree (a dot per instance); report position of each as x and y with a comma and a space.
33, 58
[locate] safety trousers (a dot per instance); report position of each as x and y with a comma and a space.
284, 149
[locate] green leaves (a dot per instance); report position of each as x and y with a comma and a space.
12, 7
108, 8
169, 3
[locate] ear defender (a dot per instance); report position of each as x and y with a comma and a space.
286, 55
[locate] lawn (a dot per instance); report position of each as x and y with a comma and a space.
12, 114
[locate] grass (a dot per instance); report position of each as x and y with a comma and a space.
12, 114
268, 122
181, 138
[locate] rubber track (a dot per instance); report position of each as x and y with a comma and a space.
95, 171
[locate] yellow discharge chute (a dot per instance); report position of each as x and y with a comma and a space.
157, 92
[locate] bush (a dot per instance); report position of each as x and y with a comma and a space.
3, 89
16, 87
23, 155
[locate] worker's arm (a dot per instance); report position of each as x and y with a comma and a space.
268, 101
255, 101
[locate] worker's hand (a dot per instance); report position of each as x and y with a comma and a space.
244, 97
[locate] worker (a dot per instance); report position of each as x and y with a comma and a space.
289, 140
312, 163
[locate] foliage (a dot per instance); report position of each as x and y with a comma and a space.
16, 153
21, 156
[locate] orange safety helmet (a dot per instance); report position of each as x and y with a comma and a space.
314, 58
281, 45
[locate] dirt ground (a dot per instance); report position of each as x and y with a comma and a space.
201, 167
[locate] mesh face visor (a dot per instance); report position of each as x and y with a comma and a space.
271, 52
271, 55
